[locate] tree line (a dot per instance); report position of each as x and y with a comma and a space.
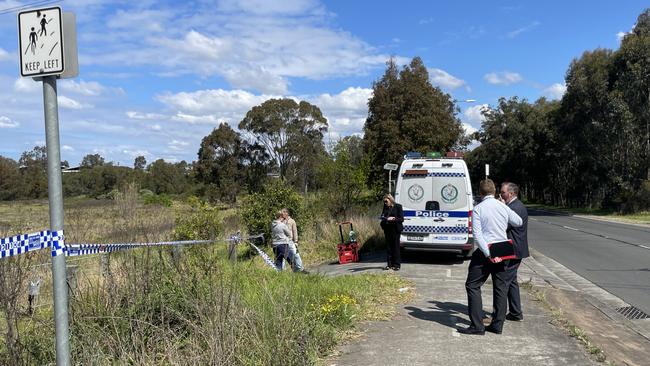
589, 149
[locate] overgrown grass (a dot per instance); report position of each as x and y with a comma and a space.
144, 308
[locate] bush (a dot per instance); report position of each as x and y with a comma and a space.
158, 199
259, 209
201, 224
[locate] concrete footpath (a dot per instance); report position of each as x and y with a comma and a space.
424, 332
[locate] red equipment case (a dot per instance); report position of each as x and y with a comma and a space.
348, 250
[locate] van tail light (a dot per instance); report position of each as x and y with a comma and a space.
469, 223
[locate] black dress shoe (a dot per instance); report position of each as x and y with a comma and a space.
471, 330
387, 268
514, 318
492, 329
395, 268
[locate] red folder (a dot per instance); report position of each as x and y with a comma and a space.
503, 249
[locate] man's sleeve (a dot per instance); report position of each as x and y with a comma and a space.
478, 234
513, 218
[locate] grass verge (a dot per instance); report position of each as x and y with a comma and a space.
637, 218
560, 320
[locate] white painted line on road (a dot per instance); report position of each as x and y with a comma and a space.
570, 228
643, 246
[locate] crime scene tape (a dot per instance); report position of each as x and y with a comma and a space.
23, 243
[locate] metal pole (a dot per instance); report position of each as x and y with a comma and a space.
390, 180
55, 191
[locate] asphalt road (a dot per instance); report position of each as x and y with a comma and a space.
614, 256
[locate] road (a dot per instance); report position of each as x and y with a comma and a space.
614, 256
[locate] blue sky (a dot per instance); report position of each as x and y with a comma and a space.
158, 76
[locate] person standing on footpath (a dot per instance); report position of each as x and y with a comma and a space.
519, 236
392, 217
490, 220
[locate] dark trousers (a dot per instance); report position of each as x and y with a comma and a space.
480, 268
392, 247
514, 299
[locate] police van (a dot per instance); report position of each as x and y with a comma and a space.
436, 195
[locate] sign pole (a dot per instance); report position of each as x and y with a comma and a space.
55, 191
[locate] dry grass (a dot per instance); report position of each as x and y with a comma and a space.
145, 309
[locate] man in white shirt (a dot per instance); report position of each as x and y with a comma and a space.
490, 220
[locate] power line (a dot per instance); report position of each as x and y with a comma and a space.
28, 5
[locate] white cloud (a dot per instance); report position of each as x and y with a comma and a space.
67, 148
474, 114
254, 45
6, 122
350, 99
87, 88
521, 30
178, 145
26, 85
145, 116
4, 55
469, 129
189, 118
555, 91
69, 103
503, 78
228, 103
444, 79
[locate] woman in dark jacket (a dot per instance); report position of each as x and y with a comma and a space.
392, 217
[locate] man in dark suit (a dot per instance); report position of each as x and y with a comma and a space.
519, 236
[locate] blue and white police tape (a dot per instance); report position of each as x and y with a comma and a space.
24, 243
83, 249
265, 256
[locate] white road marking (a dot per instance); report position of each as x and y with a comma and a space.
643, 246
570, 228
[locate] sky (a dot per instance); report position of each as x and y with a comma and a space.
158, 76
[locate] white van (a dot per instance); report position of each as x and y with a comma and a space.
436, 195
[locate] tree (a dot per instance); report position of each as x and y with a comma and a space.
140, 163
407, 113
343, 176
167, 177
33, 165
291, 132
92, 160
220, 163
9, 179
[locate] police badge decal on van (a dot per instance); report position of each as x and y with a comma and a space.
416, 192
449, 193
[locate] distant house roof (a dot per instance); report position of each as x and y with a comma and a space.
74, 169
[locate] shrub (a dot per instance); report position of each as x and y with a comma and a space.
202, 223
259, 209
158, 199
